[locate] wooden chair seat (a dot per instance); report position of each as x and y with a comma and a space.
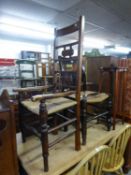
53, 105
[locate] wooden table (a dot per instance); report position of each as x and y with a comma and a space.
63, 155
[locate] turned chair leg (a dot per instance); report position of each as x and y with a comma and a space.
44, 142
44, 133
83, 121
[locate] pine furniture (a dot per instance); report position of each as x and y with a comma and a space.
92, 163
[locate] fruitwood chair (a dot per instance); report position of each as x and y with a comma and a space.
117, 147
104, 104
115, 89
91, 164
55, 105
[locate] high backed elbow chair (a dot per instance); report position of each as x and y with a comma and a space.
91, 164
48, 106
117, 146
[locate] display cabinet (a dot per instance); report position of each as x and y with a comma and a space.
26, 70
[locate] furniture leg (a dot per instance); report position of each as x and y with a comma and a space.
77, 132
65, 114
109, 124
83, 121
21, 123
44, 133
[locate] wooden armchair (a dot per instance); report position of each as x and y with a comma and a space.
117, 146
91, 164
56, 105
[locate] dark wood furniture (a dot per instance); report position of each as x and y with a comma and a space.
57, 105
104, 105
116, 88
8, 154
125, 103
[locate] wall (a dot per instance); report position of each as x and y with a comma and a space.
12, 49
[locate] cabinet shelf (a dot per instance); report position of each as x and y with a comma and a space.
24, 61
26, 75
27, 71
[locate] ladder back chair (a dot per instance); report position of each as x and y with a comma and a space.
91, 164
94, 106
117, 146
104, 105
116, 89
55, 105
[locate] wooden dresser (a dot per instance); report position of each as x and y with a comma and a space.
8, 154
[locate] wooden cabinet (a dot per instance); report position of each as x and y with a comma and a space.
8, 155
126, 105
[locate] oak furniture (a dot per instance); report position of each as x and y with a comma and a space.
125, 103
8, 153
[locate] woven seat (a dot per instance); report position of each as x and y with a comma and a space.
53, 105
98, 98
93, 97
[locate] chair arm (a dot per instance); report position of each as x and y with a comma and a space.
31, 89
50, 96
